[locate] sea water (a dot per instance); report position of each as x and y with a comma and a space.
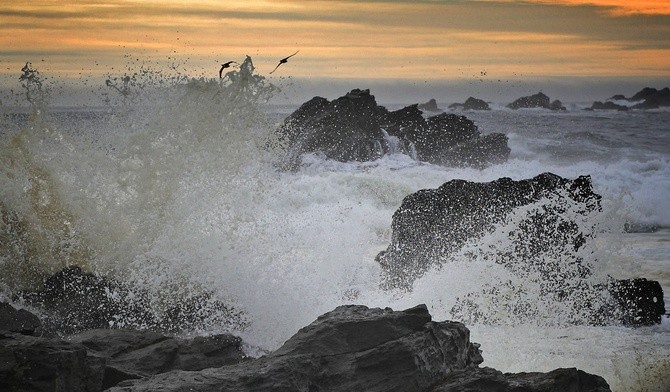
174, 186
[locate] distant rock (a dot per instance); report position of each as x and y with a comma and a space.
434, 225
607, 105
647, 98
471, 104
653, 99
430, 106
355, 128
538, 100
557, 105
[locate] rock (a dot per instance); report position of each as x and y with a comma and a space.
352, 348
557, 105
355, 128
539, 245
432, 224
19, 320
538, 100
640, 300
139, 354
72, 301
487, 379
597, 105
32, 364
430, 106
471, 104
648, 98
346, 129
653, 99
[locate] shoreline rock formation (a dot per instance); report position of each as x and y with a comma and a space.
538, 100
471, 104
351, 348
354, 128
433, 225
645, 99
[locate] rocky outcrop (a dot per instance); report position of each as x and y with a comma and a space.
640, 300
73, 300
607, 105
471, 104
542, 245
352, 348
355, 128
538, 100
430, 106
651, 98
99, 359
432, 224
647, 98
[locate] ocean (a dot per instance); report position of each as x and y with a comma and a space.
174, 187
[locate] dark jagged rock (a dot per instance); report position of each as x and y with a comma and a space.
433, 225
138, 354
471, 104
648, 98
35, 364
430, 106
355, 128
491, 380
18, 320
597, 105
538, 100
654, 99
557, 105
640, 299
346, 129
72, 301
352, 348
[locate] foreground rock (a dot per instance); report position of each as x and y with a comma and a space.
73, 300
355, 128
99, 359
471, 104
352, 348
541, 224
538, 100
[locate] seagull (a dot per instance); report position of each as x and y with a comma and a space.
284, 60
224, 66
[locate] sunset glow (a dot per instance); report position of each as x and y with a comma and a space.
424, 40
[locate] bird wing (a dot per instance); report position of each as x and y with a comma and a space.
221, 71
296, 52
276, 67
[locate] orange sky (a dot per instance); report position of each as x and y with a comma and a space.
402, 40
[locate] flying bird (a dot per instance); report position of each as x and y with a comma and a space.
284, 60
224, 66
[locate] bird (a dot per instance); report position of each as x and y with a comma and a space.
284, 60
224, 66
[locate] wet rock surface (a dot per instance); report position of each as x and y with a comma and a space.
350, 348
354, 128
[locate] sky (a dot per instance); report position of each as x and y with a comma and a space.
444, 48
